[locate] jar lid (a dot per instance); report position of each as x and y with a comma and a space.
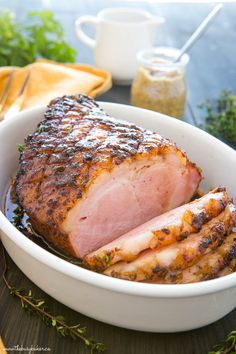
162, 57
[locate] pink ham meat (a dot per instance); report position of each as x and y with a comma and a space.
85, 178
153, 264
165, 229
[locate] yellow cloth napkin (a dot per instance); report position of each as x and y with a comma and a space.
49, 79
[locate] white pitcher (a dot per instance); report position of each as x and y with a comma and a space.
120, 34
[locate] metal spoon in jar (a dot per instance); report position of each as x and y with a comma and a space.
199, 31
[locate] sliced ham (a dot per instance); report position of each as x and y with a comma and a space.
153, 264
228, 269
210, 265
217, 263
165, 229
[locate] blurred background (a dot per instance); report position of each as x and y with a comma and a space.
210, 58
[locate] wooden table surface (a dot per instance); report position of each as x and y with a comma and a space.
212, 68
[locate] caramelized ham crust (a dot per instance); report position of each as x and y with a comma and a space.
165, 229
210, 266
85, 178
161, 263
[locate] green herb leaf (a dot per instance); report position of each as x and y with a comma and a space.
221, 117
40, 35
21, 147
54, 322
227, 346
106, 258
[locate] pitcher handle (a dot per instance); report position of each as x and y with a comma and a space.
90, 42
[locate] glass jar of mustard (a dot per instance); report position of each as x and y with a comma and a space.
160, 83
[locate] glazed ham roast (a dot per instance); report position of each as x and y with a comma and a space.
118, 196
85, 178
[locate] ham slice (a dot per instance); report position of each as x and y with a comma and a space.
163, 230
211, 265
153, 264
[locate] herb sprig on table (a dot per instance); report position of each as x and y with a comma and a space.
228, 346
40, 35
38, 307
221, 117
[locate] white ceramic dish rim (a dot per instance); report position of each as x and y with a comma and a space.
108, 283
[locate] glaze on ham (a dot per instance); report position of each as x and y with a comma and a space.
85, 178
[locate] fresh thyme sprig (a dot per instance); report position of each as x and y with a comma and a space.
227, 346
221, 117
37, 306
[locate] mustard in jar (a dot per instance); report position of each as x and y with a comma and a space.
160, 83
